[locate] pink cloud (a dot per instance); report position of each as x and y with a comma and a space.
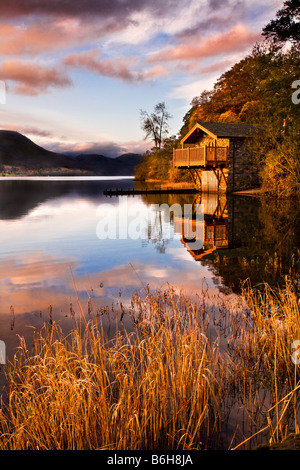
27, 130
157, 71
235, 40
119, 67
32, 79
91, 60
52, 35
17, 41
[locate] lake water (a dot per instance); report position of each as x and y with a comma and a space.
65, 246
64, 240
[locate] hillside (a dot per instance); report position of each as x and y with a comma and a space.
19, 152
105, 166
132, 159
20, 156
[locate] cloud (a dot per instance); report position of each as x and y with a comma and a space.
50, 24
120, 68
27, 130
237, 39
31, 79
15, 8
154, 72
106, 148
30, 40
140, 41
91, 60
52, 34
218, 16
188, 91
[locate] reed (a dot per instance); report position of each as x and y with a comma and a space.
169, 380
261, 345
152, 388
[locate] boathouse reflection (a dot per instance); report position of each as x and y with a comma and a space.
215, 225
243, 238
201, 222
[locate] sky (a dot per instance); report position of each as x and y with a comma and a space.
76, 73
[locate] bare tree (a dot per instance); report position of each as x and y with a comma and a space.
156, 125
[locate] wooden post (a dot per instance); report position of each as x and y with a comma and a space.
217, 177
224, 208
224, 177
205, 154
191, 173
199, 179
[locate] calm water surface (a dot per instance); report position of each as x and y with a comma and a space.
50, 249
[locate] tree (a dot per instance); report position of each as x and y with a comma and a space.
286, 26
156, 124
203, 98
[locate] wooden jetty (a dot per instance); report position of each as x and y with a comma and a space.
133, 192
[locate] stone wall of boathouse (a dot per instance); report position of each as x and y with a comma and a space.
242, 170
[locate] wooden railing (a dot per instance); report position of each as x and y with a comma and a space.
200, 156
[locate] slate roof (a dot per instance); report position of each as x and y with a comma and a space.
221, 129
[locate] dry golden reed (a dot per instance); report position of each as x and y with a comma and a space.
171, 379
152, 388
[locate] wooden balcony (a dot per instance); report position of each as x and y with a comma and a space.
195, 157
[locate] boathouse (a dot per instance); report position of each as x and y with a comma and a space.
217, 158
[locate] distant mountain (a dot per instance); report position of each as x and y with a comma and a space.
105, 166
132, 159
19, 155
18, 151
